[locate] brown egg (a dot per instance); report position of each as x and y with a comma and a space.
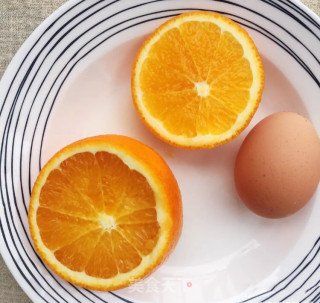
277, 168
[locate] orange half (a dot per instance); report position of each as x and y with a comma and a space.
197, 80
104, 212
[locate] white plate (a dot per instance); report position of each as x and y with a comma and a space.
71, 79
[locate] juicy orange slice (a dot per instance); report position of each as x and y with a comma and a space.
105, 211
197, 80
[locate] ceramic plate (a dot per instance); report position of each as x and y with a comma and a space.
71, 79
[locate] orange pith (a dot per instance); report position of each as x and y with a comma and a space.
104, 212
197, 80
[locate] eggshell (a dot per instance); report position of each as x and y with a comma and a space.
277, 168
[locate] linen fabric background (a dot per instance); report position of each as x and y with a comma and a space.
18, 18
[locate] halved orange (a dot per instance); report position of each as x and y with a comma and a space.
197, 80
104, 212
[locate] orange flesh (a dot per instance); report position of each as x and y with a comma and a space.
108, 211
204, 79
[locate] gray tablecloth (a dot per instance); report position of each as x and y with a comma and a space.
18, 18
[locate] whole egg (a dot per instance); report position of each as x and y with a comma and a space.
277, 168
